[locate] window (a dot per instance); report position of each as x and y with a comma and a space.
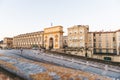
99, 39
114, 45
81, 31
94, 50
81, 44
81, 37
90, 45
94, 34
69, 38
107, 44
75, 45
114, 51
99, 44
94, 40
106, 38
75, 38
75, 31
94, 45
40, 38
100, 50
90, 39
107, 51
113, 38
71, 45
99, 34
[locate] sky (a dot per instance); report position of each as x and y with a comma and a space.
24, 16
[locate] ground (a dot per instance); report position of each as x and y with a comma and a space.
43, 70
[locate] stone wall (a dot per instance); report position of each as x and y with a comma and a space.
114, 58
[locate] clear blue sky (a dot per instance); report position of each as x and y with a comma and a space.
22, 16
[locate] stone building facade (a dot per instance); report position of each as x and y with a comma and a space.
104, 42
49, 38
77, 36
100, 45
29, 40
8, 42
107, 42
92, 44
105, 45
118, 42
65, 41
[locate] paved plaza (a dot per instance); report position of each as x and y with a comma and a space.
24, 67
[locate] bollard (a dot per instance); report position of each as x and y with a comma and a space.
72, 60
61, 57
106, 67
87, 63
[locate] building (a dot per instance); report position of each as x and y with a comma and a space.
1, 41
118, 41
105, 45
8, 42
101, 45
65, 41
1, 44
29, 40
50, 38
53, 37
104, 42
98, 45
78, 36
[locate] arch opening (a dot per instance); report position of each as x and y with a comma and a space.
51, 43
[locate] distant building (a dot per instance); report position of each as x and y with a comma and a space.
65, 41
104, 42
78, 36
105, 45
50, 38
118, 41
1, 44
8, 42
1, 41
100, 45
29, 40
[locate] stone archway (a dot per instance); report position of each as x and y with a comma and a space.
51, 43
53, 37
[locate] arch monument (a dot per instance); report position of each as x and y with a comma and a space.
53, 37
